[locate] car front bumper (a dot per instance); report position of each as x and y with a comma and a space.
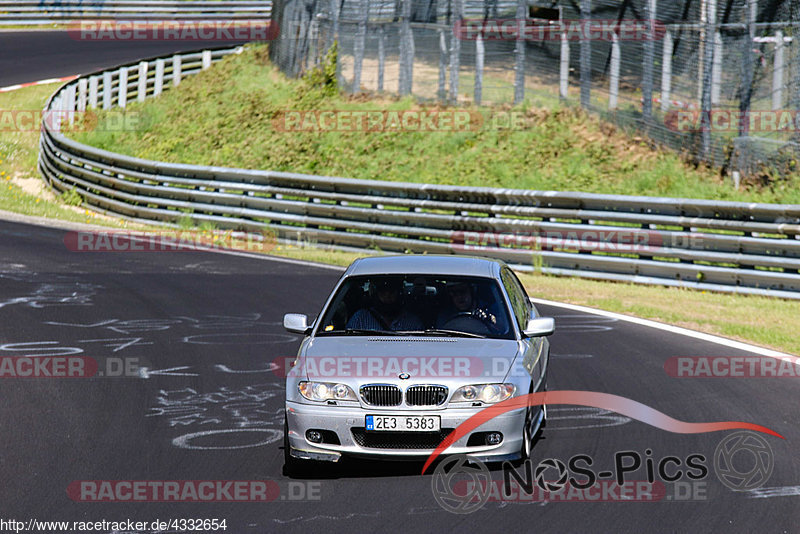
348, 424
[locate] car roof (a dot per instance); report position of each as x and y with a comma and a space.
426, 264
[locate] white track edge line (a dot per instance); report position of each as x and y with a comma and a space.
672, 329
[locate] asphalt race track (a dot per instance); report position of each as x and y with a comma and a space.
207, 325
37, 55
205, 404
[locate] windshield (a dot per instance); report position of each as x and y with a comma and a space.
418, 305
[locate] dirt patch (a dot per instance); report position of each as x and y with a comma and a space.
33, 186
36, 187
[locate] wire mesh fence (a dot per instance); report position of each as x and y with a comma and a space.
717, 81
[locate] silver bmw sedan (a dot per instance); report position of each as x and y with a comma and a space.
406, 349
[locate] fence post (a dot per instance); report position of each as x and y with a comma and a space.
82, 94
716, 69
563, 70
519, 66
107, 90
158, 85
442, 91
795, 96
777, 72
613, 85
747, 66
93, 92
478, 89
586, 55
708, 61
406, 69
176, 70
358, 46
666, 71
206, 59
122, 92
335, 5
141, 88
381, 56
455, 50
648, 59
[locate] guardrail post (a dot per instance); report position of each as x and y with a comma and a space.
69, 107
82, 94
158, 85
107, 90
141, 88
478, 89
777, 72
613, 81
93, 92
176, 70
563, 67
206, 59
441, 93
381, 56
122, 93
455, 49
716, 69
666, 72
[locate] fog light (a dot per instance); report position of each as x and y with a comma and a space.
314, 436
494, 438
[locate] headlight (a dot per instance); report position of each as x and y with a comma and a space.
322, 391
486, 393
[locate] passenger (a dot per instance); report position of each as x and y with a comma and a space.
387, 311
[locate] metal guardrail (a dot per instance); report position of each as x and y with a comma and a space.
35, 12
722, 246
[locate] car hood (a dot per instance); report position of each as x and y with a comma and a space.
357, 360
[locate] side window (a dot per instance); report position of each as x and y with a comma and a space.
519, 302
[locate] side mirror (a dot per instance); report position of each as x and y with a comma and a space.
541, 326
296, 323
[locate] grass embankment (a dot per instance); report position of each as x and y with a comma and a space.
22, 189
225, 116
763, 321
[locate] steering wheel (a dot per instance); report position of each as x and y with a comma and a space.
466, 322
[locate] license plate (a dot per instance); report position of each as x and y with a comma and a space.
403, 423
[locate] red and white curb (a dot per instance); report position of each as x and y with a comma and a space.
40, 82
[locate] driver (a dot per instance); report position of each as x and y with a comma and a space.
387, 311
463, 301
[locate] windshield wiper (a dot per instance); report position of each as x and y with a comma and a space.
361, 332
451, 333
